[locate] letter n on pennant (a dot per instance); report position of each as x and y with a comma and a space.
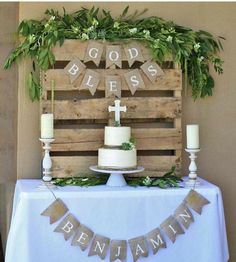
55, 211
184, 215
156, 240
68, 226
99, 247
138, 247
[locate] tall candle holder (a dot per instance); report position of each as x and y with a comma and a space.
192, 177
47, 162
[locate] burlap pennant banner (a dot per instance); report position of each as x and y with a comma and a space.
184, 215
83, 237
138, 247
113, 86
156, 240
90, 81
172, 228
133, 53
134, 80
152, 70
99, 247
94, 52
74, 68
68, 226
113, 55
118, 250
55, 211
196, 201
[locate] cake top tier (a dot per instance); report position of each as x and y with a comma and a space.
116, 136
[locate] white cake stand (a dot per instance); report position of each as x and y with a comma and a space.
116, 177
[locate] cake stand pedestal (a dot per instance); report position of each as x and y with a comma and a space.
116, 177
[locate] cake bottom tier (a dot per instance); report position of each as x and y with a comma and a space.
117, 158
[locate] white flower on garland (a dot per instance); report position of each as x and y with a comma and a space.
75, 29
146, 33
200, 59
147, 181
169, 39
196, 47
95, 22
84, 36
133, 30
116, 25
91, 28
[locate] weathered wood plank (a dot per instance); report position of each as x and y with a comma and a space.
79, 165
172, 80
92, 139
73, 47
137, 107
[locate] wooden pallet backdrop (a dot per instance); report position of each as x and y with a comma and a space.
154, 114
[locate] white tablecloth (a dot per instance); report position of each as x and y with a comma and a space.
118, 213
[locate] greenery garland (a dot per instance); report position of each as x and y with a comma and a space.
168, 180
195, 51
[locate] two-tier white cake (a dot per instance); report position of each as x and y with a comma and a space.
114, 155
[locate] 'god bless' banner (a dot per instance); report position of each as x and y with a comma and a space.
91, 79
99, 245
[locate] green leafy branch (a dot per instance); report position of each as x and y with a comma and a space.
170, 179
194, 51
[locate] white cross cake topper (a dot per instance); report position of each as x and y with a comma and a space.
117, 109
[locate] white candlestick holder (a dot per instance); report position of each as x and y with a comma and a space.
192, 177
47, 162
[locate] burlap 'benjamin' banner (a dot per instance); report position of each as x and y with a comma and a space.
100, 245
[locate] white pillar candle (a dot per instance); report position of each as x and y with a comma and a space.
192, 136
47, 126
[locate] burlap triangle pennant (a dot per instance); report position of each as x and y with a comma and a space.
184, 215
67, 226
156, 240
196, 201
99, 247
134, 80
118, 250
133, 53
90, 81
74, 68
83, 237
152, 70
113, 86
93, 52
55, 211
113, 55
138, 247
172, 228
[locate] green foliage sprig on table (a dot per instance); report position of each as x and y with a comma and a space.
195, 51
168, 180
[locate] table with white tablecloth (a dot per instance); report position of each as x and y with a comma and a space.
118, 213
